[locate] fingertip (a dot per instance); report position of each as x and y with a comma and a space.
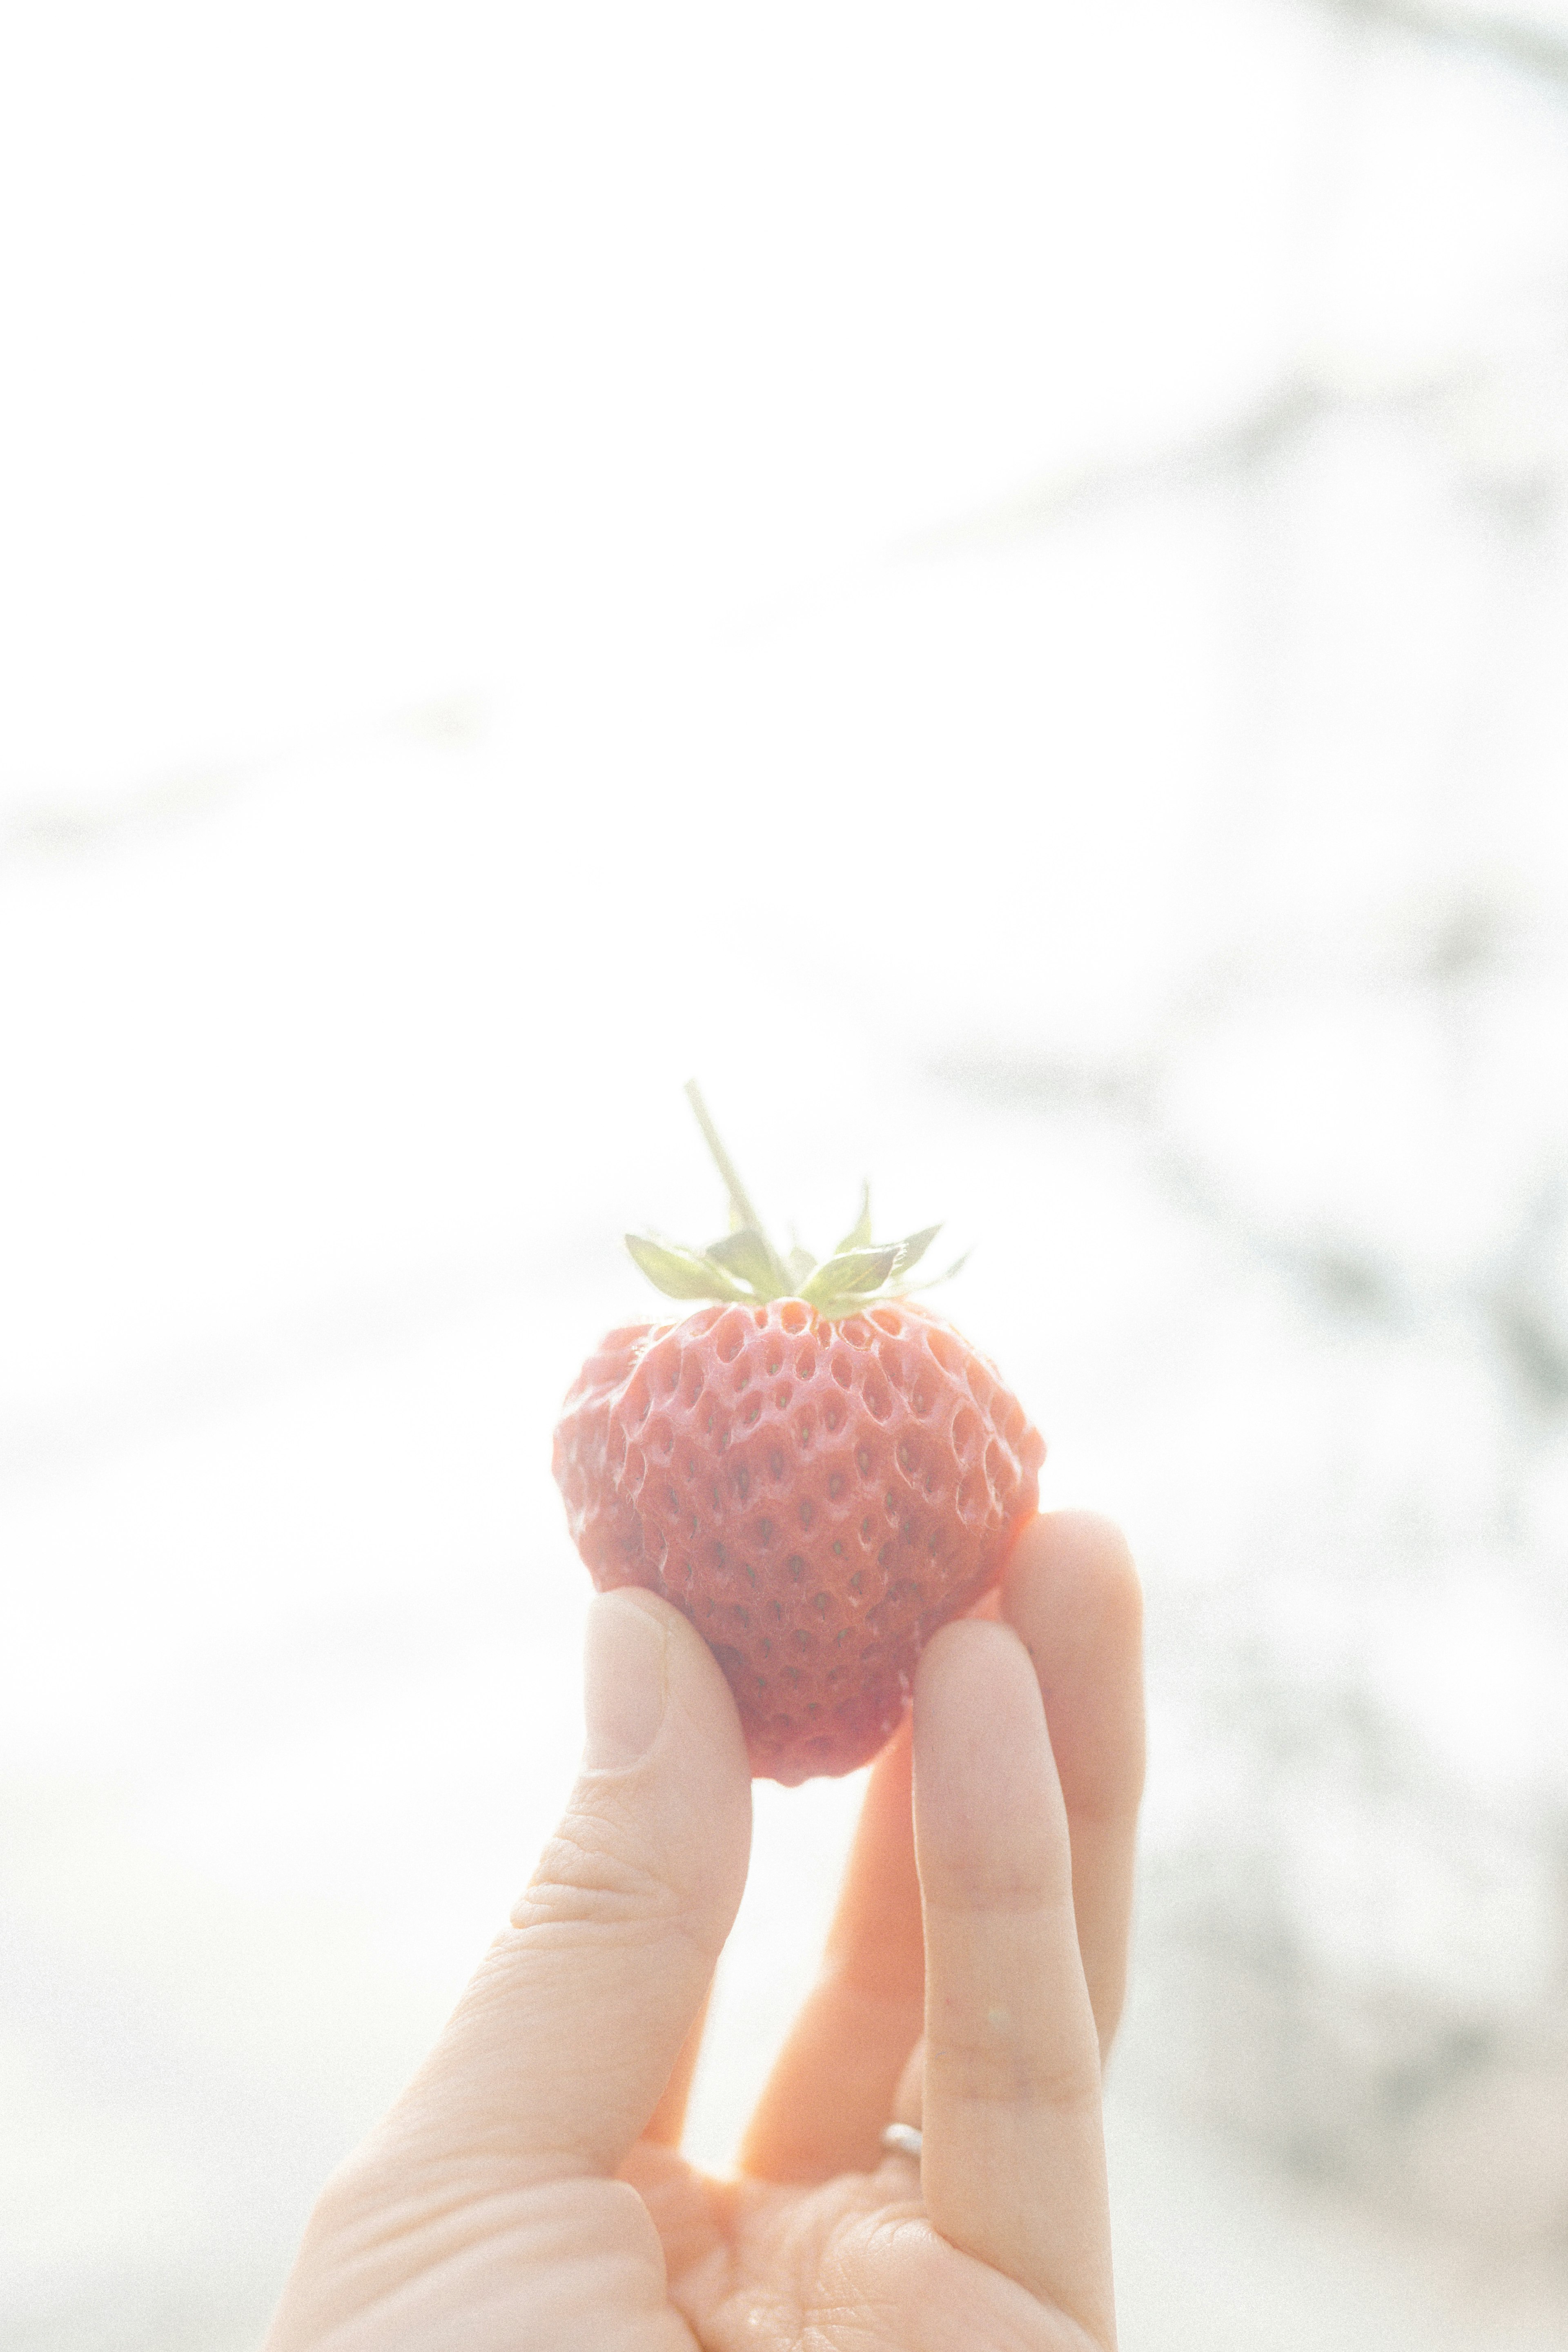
697, 1702
982, 1755
960, 1653
626, 1682
1081, 1554
666, 1770
1075, 1600
1073, 1574
952, 1668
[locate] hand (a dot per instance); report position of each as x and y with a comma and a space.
526, 2189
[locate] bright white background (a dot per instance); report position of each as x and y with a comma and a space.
995, 581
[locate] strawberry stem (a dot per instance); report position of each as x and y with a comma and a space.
745, 1268
740, 1207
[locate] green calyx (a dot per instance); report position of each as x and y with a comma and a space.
744, 1268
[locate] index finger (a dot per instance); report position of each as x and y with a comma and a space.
1013, 2168
1073, 1598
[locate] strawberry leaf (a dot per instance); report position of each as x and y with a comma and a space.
933, 1281
748, 1253
911, 1251
859, 1237
680, 1272
851, 1274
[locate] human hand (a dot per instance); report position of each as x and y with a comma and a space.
526, 2189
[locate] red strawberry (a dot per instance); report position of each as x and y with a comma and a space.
817, 1471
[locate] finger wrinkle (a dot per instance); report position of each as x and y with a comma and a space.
1106, 1814
1002, 2071
959, 1894
615, 1904
603, 1869
576, 1923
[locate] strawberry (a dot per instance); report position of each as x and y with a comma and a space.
818, 1471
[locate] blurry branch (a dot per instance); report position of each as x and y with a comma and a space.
1520, 1301
1255, 2017
148, 808
166, 803
1230, 451
1515, 1302
361, 1324
1340, 1275
1531, 48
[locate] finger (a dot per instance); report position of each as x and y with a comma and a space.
559, 2049
1013, 2169
831, 2091
668, 2121
1072, 1595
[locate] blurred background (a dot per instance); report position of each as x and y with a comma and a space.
995, 583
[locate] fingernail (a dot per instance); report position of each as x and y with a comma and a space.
623, 1696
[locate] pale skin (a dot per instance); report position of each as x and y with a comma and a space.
528, 2190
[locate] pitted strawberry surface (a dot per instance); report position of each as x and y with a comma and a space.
818, 1492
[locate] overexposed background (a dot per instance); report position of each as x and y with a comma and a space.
995, 581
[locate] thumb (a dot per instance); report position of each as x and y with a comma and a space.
558, 2051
